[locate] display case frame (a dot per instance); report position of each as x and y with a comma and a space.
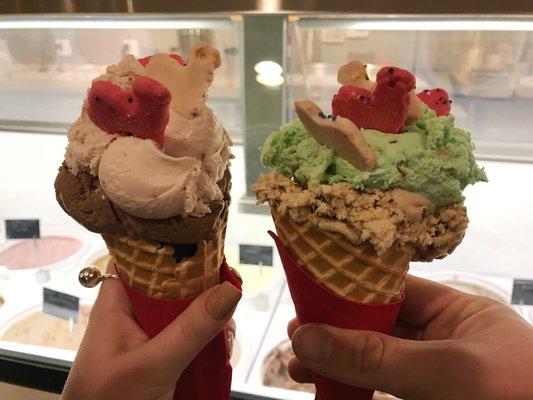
48, 374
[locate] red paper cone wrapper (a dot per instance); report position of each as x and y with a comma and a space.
208, 376
314, 303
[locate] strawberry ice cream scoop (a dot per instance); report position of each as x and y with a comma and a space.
141, 111
437, 100
385, 109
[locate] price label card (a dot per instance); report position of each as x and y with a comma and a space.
60, 304
256, 255
522, 292
23, 229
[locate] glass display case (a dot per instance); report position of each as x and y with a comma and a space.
268, 61
52, 63
486, 66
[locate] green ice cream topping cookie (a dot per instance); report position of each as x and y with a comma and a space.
431, 157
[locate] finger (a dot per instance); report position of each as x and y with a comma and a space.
177, 345
292, 326
111, 320
377, 361
298, 372
112, 297
424, 300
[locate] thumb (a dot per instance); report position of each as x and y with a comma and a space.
177, 345
380, 362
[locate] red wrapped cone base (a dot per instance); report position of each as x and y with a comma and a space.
208, 376
314, 303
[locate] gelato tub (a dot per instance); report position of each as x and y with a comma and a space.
55, 250
276, 373
98, 259
33, 327
473, 284
258, 278
36, 253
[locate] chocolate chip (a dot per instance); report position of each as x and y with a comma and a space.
97, 99
329, 116
391, 70
322, 115
393, 141
334, 117
426, 90
450, 101
130, 100
182, 251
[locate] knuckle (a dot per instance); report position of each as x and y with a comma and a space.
471, 304
367, 353
482, 303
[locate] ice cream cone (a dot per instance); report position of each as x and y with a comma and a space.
151, 267
354, 272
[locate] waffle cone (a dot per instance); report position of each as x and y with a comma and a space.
354, 272
151, 268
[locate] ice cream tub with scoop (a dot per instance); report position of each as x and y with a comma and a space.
35, 328
25, 328
492, 287
275, 369
99, 259
56, 252
261, 272
268, 376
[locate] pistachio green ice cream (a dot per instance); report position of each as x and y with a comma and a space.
433, 158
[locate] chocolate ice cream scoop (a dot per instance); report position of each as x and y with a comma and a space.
82, 198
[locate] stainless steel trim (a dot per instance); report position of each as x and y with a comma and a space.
33, 127
111, 21
426, 22
267, 6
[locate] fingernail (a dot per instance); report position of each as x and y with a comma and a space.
222, 301
230, 341
313, 343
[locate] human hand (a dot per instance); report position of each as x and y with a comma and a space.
448, 345
117, 360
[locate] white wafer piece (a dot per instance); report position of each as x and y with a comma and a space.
188, 84
338, 133
354, 73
